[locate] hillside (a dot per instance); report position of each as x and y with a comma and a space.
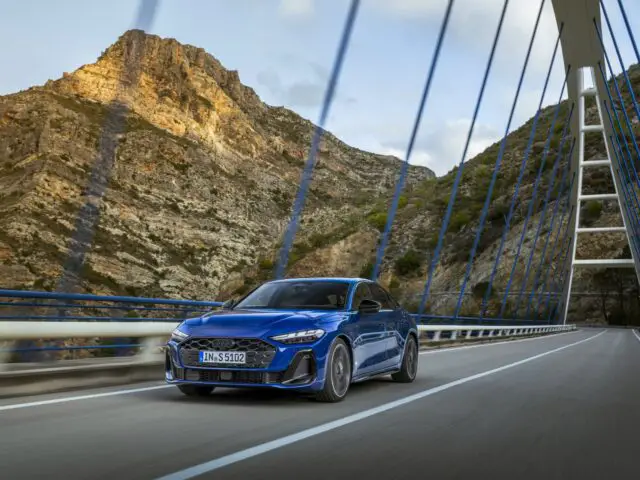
203, 180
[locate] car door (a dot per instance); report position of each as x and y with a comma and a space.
370, 345
391, 315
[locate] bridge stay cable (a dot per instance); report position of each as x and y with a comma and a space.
620, 60
632, 212
292, 227
556, 207
623, 161
555, 253
535, 192
88, 217
445, 224
623, 107
516, 191
498, 163
414, 134
559, 273
545, 206
629, 30
626, 161
633, 209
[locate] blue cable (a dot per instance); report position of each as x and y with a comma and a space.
632, 214
543, 214
626, 183
523, 165
556, 245
619, 94
89, 213
624, 71
535, 192
298, 205
556, 206
619, 128
563, 275
631, 36
496, 168
625, 175
565, 247
414, 133
454, 191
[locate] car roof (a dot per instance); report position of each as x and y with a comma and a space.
350, 280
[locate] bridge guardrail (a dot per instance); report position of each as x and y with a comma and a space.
15, 330
436, 331
148, 365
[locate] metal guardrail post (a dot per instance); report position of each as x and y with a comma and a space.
5, 354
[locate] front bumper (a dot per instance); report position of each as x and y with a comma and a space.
287, 367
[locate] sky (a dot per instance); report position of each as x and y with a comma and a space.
285, 50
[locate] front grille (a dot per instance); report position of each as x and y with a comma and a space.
259, 353
231, 376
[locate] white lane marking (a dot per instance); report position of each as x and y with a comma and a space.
311, 432
635, 333
79, 397
491, 344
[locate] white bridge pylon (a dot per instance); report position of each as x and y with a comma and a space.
582, 52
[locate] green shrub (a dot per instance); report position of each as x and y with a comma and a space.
593, 209
367, 270
408, 263
265, 264
378, 220
458, 221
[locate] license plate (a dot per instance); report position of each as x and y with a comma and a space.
223, 357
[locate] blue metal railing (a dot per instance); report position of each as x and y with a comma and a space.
116, 308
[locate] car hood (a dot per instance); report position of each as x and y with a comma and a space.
257, 323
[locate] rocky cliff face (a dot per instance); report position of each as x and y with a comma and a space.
202, 181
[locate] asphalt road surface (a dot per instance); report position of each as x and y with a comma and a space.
559, 407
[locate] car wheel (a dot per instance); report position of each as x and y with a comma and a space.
337, 374
409, 368
195, 390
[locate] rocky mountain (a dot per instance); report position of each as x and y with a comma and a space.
156, 172
162, 174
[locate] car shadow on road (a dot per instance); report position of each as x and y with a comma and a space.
272, 397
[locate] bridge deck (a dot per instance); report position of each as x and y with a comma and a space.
570, 413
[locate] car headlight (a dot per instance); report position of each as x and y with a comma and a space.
177, 335
303, 336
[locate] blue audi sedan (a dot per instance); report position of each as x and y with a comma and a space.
314, 335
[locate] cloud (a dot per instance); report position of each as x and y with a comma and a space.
443, 145
440, 149
473, 23
296, 8
303, 92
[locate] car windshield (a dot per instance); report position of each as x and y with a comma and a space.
298, 295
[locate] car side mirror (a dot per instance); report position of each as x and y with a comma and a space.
229, 304
369, 306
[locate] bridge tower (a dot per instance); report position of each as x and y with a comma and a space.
583, 54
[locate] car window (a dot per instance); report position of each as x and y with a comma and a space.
298, 295
362, 293
379, 295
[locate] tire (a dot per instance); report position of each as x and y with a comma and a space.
409, 369
337, 375
196, 390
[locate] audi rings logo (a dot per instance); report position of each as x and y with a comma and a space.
222, 343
